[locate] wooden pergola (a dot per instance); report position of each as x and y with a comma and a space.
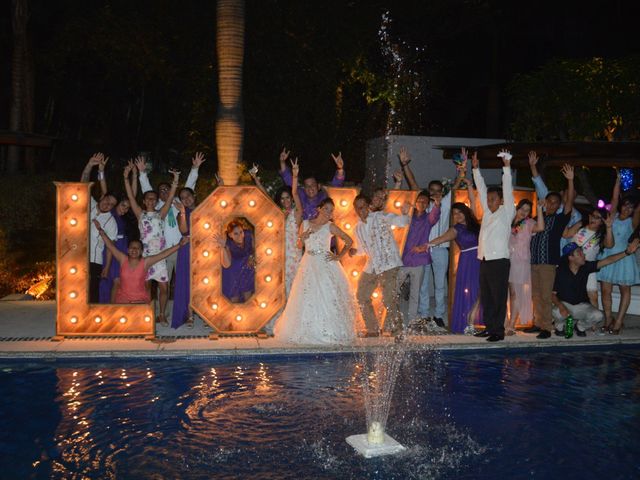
588, 154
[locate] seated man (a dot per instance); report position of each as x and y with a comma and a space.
570, 288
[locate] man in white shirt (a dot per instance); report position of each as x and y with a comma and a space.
493, 248
374, 238
100, 211
172, 233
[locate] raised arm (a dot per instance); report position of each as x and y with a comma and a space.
102, 162
285, 173
153, 259
174, 186
342, 236
137, 211
253, 171
609, 241
109, 243
567, 171
397, 179
507, 184
538, 182
182, 217
144, 179
615, 195
134, 179
225, 254
295, 170
197, 160
94, 160
539, 226
338, 177
405, 159
477, 178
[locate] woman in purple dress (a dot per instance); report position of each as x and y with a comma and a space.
238, 262
181, 313
466, 301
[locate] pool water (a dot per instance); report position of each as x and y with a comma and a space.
546, 415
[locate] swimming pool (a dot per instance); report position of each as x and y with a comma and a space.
548, 414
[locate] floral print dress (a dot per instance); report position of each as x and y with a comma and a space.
153, 242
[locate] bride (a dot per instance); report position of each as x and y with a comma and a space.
322, 307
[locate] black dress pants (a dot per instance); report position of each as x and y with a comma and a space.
95, 272
494, 291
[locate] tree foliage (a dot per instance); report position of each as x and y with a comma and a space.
575, 100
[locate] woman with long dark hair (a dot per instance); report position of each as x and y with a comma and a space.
522, 229
465, 230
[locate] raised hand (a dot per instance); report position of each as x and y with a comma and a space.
102, 161
533, 158
219, 180
128, 169
197, 160
475, 163
253, 171
464, 154
295, 168
220, 240
180, 206
95, 159
506, 157
404, 156
284, 154
397, 176
176, 174
609, 220
567, 171
339, 161
141, 164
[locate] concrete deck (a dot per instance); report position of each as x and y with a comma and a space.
26, 328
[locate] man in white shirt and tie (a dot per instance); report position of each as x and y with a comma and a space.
374, 238
493, 248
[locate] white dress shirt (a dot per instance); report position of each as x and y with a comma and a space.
171, 229
110, 227
374, 238
496, 227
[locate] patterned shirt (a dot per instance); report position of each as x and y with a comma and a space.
375, 239
545, 245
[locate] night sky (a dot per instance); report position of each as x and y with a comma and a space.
128, 76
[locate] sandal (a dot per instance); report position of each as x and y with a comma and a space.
616, 331
162, 320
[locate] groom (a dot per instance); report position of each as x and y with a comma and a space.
374, 238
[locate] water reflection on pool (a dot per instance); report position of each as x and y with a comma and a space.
498, 415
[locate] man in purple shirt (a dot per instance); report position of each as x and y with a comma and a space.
311, 194
416, 252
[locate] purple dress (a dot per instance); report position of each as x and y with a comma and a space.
239, 278
121, 243
467, 280
182, 289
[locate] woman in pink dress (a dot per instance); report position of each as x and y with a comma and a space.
522, 228
133, 268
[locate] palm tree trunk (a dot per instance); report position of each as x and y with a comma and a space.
229, 120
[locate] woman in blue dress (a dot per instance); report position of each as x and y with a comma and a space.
625, 272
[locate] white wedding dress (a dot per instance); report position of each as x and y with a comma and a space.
322, 307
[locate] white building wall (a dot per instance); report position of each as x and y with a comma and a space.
427, 161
